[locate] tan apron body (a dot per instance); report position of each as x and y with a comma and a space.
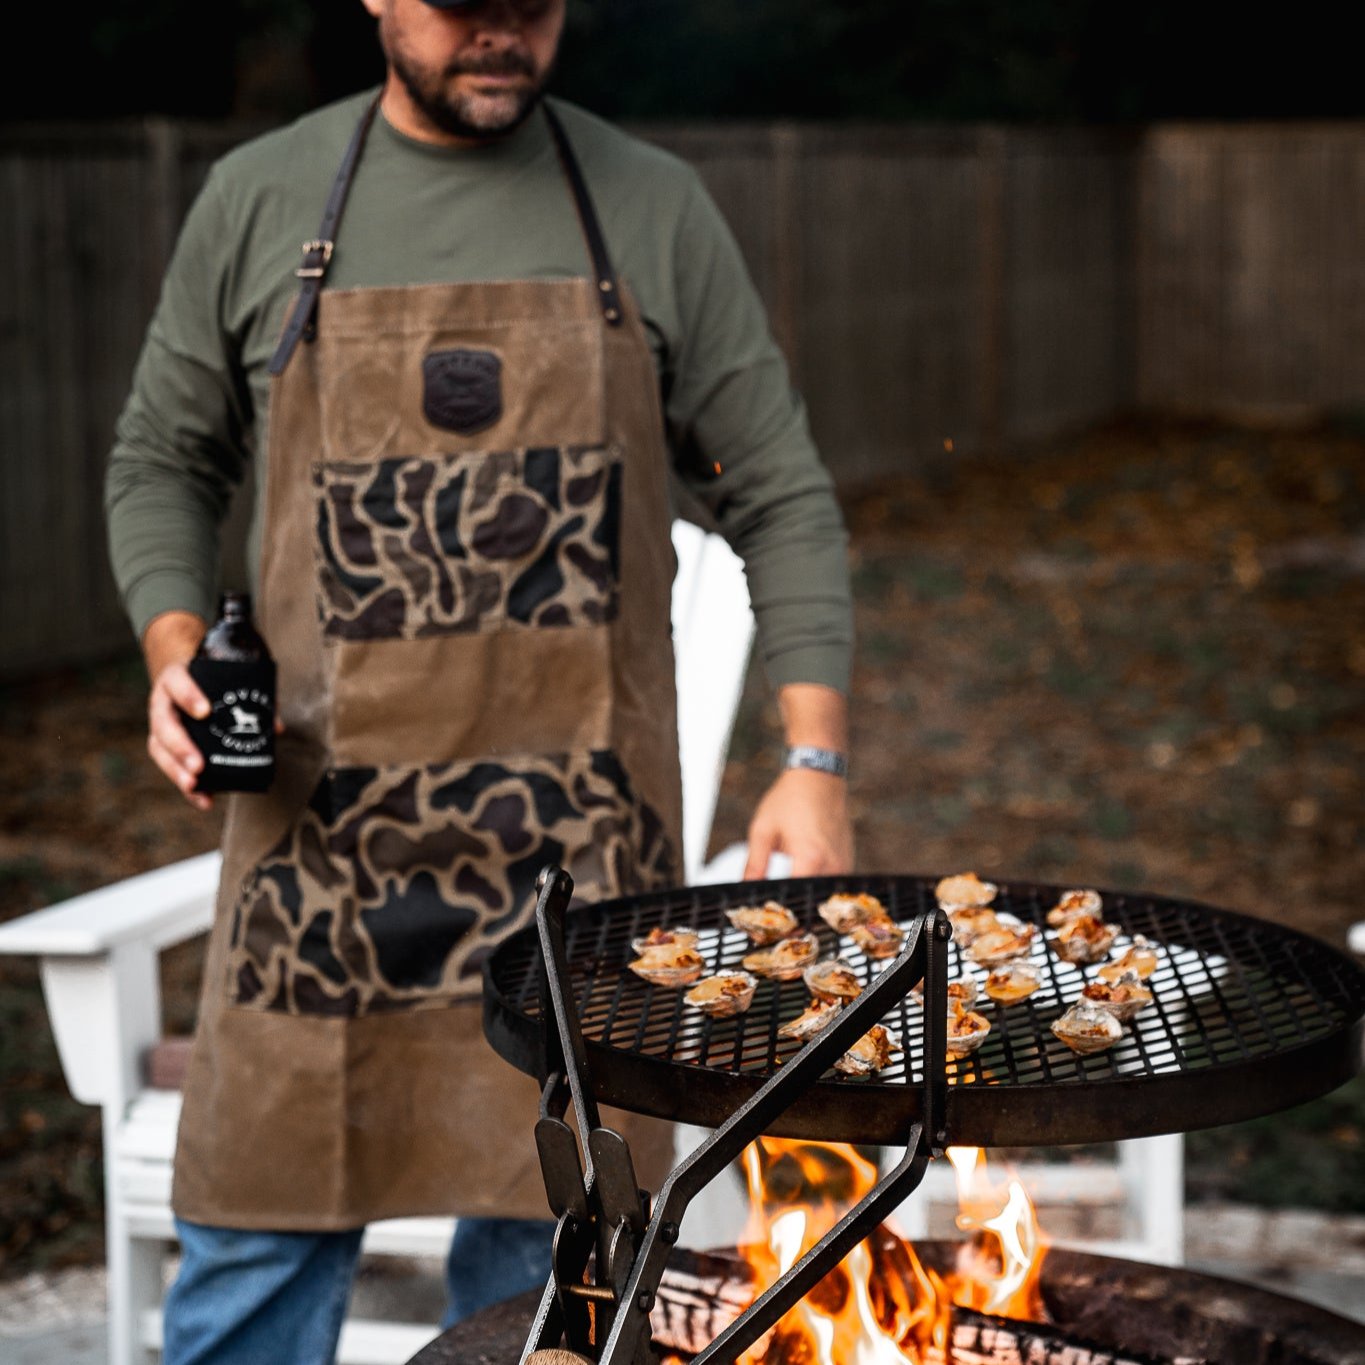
465, 580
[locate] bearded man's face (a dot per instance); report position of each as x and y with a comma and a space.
473, 73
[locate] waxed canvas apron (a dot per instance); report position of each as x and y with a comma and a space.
465, 580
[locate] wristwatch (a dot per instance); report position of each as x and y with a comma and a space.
822, 760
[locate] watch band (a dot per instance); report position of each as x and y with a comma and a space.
822, 760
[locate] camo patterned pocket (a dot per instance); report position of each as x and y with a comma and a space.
394, 884
501, 540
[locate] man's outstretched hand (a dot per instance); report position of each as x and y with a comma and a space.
804, 814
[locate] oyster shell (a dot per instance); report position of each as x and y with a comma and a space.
870, 1053
668, 966
664, 938
810, 1021
764, 923
971, 921
961, 992
967, 1030
845, 909
1005, 941
1013, 981
1085, 1028
1073, 903
1124, 998
878, 937
1140, 958
784, 960
832, 979
725, 994
965, 888
1084, 938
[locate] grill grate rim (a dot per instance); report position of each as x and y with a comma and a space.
1230, 993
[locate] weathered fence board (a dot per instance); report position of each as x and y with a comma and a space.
1250, 274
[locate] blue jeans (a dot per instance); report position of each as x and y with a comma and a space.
245, 1297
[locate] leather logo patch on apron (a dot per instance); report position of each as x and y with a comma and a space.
461, 389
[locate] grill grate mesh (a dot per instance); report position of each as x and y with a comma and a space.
1229, 990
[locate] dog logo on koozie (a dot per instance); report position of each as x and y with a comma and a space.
462, 390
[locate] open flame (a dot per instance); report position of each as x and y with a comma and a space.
881, 1305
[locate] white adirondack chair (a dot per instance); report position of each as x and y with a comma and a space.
99, 970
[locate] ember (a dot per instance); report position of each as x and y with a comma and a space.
881, 1306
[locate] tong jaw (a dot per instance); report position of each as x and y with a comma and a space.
601, 1208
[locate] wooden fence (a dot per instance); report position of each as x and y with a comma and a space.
985, 286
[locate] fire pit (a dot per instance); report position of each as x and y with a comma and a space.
1246, 1018
1103, 1312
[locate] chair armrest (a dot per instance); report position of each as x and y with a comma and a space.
158, 908
99, 968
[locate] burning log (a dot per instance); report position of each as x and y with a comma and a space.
701, 1297
698, 1299
979, 1340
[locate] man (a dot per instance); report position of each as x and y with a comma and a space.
458, 409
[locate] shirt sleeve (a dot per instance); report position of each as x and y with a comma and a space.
182, 441
729, 401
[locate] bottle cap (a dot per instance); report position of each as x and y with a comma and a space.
234, 604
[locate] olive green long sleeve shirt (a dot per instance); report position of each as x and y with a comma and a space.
419, 213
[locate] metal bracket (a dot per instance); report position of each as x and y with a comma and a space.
317, 256
626, 1301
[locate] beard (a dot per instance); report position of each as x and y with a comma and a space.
479, 117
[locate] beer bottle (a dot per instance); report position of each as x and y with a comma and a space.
234, 670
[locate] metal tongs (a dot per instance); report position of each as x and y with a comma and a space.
603, 1315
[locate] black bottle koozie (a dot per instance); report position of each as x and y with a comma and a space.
237, 738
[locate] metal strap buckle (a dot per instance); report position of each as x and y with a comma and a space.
315, 270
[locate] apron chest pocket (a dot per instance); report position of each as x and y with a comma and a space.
408, 548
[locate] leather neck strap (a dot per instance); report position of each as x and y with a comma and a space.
317, 254
608, 292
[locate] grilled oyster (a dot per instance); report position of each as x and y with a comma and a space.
664, 938
810, 1021
784, 960
870, 1053
1009, 939
1011, 982
971, 921
1073, 903
961, 992
832, 979
966, 888
1084, 938
967, 1030
878, 937
1140, 958
764, 923
724, 994
845, 909
1085, 1028
671, 966
1124, 998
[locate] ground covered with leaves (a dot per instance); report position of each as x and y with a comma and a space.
1135, 659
